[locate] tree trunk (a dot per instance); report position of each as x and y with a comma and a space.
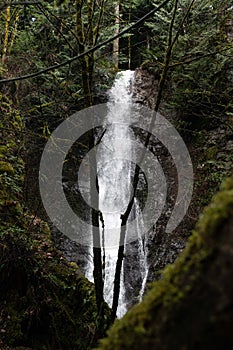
87, 64
116, 32
6, 37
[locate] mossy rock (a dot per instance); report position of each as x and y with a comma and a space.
191, 306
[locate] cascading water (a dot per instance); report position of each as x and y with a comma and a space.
114, 177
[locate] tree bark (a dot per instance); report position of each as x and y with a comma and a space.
116, 32
87, 64
6, 37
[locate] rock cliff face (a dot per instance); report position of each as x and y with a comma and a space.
191, 307
163, 247
145, 86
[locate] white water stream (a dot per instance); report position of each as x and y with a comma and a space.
114, 176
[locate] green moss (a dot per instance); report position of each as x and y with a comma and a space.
211, 152
3, 150
162, 320
5, 167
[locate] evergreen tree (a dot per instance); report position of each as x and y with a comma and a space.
200, 80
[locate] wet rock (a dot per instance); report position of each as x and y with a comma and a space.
144, 88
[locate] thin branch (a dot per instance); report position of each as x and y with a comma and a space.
97, 28
62, 22
100, 139
187, 61
90, 22
182, 23
55, 26
94, 48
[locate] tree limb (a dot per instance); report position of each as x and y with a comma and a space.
187, 61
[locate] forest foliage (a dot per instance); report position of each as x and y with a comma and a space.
36, 36
197, 91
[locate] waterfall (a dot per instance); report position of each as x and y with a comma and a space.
115, 176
